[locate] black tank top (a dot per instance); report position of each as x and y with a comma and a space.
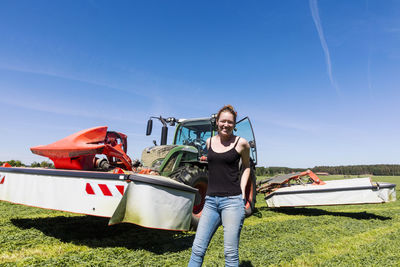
223, 172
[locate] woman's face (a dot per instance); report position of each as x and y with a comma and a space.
226, 123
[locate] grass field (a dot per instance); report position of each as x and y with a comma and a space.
353, 235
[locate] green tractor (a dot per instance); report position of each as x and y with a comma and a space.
185, 160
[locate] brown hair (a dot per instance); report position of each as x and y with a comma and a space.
227, 108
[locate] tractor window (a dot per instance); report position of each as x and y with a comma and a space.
245, 130
194, 133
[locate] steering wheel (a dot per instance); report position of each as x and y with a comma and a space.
188, 142
201, 145
198, 142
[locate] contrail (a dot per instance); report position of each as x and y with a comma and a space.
317, 21
369, 56
70, 77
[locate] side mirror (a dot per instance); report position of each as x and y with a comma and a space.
149, 127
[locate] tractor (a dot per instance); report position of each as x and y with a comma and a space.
185, 160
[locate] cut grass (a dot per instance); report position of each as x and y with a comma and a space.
352, 235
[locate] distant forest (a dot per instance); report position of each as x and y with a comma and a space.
379, 169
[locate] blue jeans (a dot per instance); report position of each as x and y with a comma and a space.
226, 210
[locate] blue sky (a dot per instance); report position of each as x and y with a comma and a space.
319, 79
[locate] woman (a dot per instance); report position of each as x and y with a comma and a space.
226, 190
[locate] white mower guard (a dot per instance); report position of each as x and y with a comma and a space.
146, 200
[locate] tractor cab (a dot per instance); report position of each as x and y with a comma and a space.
194, 133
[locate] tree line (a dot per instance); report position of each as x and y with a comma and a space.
18, 163
377, 169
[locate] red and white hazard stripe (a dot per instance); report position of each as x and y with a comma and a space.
2, 180
104, 189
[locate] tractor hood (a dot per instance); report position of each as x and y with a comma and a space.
151, 154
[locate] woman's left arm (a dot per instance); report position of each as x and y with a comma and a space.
245, 155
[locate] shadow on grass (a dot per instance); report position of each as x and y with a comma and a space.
257, 213
246, 264
321, 212
95, 232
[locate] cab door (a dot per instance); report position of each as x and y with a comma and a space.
244, 129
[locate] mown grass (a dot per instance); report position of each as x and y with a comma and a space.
353, 235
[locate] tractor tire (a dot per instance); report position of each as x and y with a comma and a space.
250, 194
196, 178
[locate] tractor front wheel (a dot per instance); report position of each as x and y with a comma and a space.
196, 178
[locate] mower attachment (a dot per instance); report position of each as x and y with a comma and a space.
292, 190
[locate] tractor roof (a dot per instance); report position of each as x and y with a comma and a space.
198, 124
195, 120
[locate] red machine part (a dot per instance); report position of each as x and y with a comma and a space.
272, 184
78, 150
313, 177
